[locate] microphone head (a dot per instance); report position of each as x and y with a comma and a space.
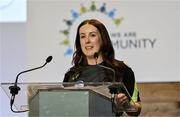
49, 59
96, 55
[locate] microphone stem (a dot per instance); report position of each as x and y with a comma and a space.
14, 89
15, 84
109, 69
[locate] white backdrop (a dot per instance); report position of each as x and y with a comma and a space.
151, 25
155, 21
146, 38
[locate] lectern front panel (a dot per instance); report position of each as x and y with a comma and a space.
60, 103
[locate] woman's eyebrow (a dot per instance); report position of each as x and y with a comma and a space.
89, 32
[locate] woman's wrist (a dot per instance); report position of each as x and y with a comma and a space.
137, 106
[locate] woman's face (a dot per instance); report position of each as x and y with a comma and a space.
90, 40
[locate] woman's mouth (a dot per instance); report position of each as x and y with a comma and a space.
89, 47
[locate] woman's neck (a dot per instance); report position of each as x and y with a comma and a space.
94, 61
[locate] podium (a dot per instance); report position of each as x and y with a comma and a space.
66, 99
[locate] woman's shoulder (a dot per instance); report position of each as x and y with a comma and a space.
123, 66
71, 73
71, 70
120, 64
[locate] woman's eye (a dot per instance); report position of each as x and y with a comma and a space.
93, 35
82, 36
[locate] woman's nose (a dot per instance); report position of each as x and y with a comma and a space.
87, 40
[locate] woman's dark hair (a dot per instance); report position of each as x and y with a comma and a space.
106, 48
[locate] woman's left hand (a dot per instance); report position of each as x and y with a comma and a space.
121, 98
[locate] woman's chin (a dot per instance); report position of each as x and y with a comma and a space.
90, 55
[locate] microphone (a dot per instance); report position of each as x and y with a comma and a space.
14, 89
96, 55
113, 89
